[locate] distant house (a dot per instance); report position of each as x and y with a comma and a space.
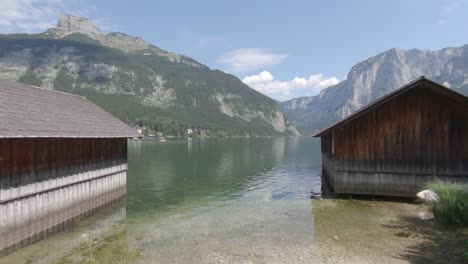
60, 157
396, 144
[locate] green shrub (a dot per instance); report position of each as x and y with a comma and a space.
465, 252
452, 208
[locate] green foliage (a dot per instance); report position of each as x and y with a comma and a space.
195, 87
63, 82
306, 123
465, 252
452, 208
77, 37
30, 78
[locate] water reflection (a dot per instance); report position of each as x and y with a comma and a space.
169, 173
279, 148
190, 145
234, 200
60, 245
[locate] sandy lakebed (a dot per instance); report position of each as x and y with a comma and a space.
242, 201
360, 231
344, 231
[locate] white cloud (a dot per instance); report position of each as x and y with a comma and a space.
31, 16
449, 8
242, 60
28, 15
452, 6
265, 83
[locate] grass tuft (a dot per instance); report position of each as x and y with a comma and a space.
452, 208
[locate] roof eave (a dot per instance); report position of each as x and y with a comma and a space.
70, 136
381, 101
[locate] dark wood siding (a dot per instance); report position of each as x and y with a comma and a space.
420, 132
29, 160
47, 182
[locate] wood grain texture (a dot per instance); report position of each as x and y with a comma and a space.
46, 182
393, 149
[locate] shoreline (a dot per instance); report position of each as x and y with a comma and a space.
344, 231
360, 231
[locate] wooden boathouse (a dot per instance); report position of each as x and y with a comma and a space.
396, 144
61, 156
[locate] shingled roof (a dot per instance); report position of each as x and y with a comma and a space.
27, 111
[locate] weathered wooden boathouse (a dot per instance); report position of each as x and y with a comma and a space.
61, 156
394, 145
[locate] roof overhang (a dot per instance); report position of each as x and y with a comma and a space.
416, 83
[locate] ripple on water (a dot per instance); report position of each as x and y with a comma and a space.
208, 201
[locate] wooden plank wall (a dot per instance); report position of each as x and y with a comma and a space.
48, 182
418, 133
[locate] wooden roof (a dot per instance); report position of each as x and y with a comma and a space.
32, 112
416, 83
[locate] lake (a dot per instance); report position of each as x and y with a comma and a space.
242, 201
200, 201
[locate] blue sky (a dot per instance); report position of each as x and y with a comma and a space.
284, 49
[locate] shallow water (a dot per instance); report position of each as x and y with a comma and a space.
209, 201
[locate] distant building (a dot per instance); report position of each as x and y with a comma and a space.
396, 144
61, 156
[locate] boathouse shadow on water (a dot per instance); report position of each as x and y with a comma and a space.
327, 192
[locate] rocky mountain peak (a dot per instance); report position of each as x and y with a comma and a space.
76, 24
70, 24
377, 76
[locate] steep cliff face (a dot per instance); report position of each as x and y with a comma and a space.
72, 24
70, 27
376, 77
138, 82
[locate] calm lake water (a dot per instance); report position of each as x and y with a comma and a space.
201, 201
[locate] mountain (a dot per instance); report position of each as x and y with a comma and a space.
138, 82
374, 78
